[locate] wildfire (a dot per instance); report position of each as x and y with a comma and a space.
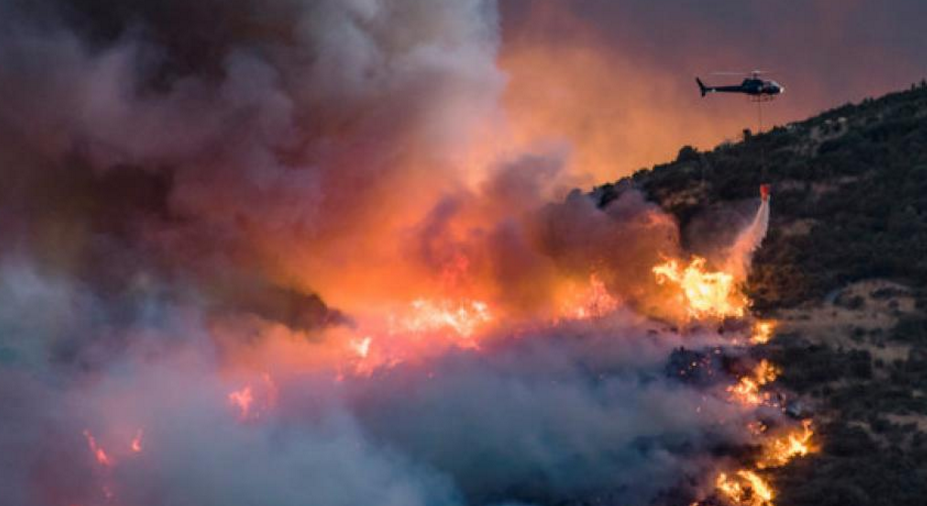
780, 451
757, 428
745, 488
706, 294
251, 402
361, 346
411, 331
463, 318
136, 444
594, 301
107, 461
762, 331
242, 399
98, 453
363, 366
747, 389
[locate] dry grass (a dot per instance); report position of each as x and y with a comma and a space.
836, 324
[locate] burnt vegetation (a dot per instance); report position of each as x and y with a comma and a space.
849, 205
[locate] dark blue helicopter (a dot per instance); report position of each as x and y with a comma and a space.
753, 86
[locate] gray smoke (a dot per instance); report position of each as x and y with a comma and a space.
172, 169
577, 411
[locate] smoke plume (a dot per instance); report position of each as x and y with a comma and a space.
288, 253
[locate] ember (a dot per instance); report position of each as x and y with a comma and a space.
99, 454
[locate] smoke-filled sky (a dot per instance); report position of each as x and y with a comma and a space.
617, 77
325, 252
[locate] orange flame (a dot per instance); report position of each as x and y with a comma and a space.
464, 318
242, 399
136, 444
762, 331
747, 389
780, 451
98, 453
745, 488
398, 334
705, 294
251, 402
594, 301
361, 346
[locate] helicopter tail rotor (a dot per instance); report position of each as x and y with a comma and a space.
701, 86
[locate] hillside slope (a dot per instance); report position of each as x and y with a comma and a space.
844, 270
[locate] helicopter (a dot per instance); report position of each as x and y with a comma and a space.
753, 86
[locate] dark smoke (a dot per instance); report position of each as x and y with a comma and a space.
190, 187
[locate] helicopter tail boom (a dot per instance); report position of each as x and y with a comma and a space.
701, 86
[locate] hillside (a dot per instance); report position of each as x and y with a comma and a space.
843, 270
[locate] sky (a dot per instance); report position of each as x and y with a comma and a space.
616, 78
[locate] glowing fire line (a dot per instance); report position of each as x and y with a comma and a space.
463, 318
747, 389
781, 450
762, 331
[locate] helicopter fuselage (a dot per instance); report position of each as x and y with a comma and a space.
749, 86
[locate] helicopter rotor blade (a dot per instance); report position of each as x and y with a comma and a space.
743, 73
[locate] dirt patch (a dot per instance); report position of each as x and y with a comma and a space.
798, 227
857, 317
919, 420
